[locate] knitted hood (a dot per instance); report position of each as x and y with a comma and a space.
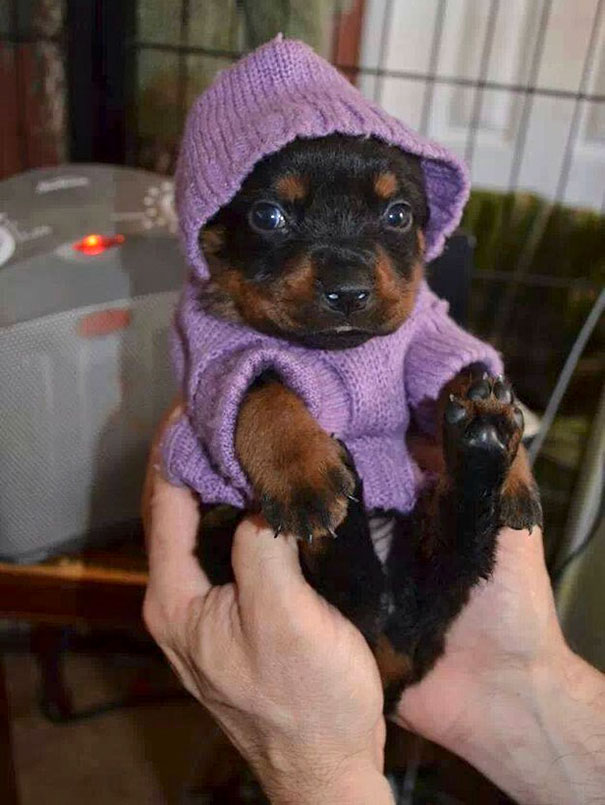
280, 92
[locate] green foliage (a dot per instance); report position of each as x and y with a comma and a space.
566, 242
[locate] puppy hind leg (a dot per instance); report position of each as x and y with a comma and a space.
346, 571
448, 543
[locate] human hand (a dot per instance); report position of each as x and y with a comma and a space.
508, 694
507, 632
290, 680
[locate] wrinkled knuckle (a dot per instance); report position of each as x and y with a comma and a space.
194, 622
205, 626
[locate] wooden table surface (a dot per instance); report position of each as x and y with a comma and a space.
97, 587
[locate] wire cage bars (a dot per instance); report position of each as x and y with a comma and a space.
516, 88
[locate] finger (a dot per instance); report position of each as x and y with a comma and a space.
175, 575
520, 563
265, 567
521, 547
154, 462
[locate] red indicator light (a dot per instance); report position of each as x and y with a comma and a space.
96, 244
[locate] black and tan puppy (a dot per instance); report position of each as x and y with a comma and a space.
323, 246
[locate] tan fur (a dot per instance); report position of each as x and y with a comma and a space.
232, 296
292, 187
395, 295
393, 666
519, 477
385, 185
278, 304
286, 454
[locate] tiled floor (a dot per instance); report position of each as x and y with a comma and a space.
148, 754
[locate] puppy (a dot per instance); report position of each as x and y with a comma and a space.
322, 247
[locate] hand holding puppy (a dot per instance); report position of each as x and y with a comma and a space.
296, 689
290, 680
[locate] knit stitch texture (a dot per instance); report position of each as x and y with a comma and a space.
367, 395
278, 93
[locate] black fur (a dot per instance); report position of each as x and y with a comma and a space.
447, 544
439, 552
339, 225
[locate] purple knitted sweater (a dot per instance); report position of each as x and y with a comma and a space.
365, 395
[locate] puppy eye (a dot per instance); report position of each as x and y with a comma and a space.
266, 217
399, 215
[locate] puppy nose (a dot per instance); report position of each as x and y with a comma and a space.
347, 300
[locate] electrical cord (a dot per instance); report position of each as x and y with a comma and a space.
558, 572
565, 376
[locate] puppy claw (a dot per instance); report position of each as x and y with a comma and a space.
480, 390
353, 498
332, 533
309, 538
503, 392
455, 411
484, 424
312, 498
277, 532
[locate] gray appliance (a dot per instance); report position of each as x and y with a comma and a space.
89, 275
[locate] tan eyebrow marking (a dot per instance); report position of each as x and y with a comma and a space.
385, 184
292, 187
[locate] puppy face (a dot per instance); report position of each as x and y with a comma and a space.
323, 243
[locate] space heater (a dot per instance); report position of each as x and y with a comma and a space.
89, 274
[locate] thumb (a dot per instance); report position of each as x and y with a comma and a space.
266, 568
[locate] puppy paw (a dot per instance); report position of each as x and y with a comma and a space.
483, 420
482, 434
309, 495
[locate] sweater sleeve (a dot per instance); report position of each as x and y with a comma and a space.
439, 349
200, 449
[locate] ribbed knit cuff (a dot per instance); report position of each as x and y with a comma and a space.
391, 479
440, 350
185, 463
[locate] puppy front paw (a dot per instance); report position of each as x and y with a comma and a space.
482, 427
308, 495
